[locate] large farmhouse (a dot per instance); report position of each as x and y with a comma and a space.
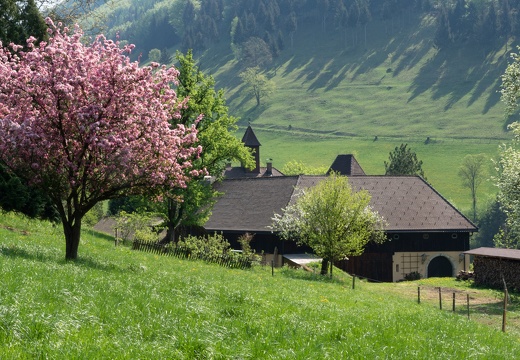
426, 234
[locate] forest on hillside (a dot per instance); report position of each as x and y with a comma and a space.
269, 25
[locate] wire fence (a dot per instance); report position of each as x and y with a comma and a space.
495, 308
231, 260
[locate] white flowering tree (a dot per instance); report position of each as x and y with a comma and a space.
331, 218
508, 165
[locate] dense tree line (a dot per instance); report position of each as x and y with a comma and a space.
462, 22
196, 24
19, 20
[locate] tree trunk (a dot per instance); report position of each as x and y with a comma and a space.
175, 211
72, 231
324, 266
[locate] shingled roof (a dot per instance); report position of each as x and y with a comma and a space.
500, 253
248, 204
407, 203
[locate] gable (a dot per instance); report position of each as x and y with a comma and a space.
346, 164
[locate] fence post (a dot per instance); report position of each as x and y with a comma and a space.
505, 312
440, 298
453, 309
272, 267
418, 294
353, 282
467, 296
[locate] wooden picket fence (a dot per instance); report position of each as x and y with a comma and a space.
231, 260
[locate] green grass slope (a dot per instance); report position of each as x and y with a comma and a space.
333, 97
119, 304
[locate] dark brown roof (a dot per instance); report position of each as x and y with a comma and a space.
346, 164
495, 252
240, 172
408, 203
250, 204
249, 138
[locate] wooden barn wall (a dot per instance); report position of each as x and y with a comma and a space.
489, 271
417, 242
373, 266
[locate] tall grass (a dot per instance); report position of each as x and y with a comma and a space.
121, 304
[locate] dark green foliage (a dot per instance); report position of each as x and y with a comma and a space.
191, 206
490, 221
256, 52
131, 204
199, 24
403, 161
415, 275
19, 20
19, 197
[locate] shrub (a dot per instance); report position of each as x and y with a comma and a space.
209, 246
414, 275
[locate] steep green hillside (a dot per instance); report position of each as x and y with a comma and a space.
399, 86
333, 99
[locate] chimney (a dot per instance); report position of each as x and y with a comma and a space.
269, 170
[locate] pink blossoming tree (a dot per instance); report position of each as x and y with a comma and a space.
85, 124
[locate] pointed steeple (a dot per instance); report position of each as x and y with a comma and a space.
249, 139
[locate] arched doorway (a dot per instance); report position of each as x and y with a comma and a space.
440, 266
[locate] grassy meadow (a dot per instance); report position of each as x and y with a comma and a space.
335, 97
121, 304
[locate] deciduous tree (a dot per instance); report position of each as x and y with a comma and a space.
508, 182
334, 220
259, 85
300, 168
472, 173
191, 205
511, 84
85, 124
508, 165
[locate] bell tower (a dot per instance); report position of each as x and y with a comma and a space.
249, 139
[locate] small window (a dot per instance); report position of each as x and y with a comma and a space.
425, 236
396, 267
454, 236
396, 237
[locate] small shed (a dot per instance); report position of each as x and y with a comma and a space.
493, 266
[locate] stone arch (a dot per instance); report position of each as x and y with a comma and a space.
440, 266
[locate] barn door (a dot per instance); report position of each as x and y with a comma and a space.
440, 267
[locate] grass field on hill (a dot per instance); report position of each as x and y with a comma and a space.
120, 304
335, 98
